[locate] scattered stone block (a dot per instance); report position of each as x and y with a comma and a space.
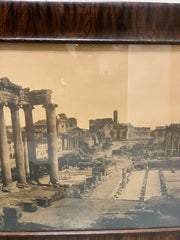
11, 216
29, 206
1, 220
44, 202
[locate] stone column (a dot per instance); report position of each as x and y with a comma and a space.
166, 143
68, 143
62, 142
26, 159
31, 142
172, 144
4, 154
77, 144
73, 143
52, 141
18, 144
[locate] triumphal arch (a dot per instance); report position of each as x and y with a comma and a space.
15, 97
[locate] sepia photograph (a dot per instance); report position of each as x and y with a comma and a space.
89, 137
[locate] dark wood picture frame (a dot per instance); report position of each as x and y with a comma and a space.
91, 22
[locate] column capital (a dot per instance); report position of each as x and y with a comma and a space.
14, 106
2, 105
27, 106
50, 106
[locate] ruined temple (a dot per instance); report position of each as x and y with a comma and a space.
15, 97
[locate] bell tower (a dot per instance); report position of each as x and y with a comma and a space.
115, 117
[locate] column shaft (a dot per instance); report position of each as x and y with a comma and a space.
68, 143
26, 159
4, 153
77, 143
52, 142
62, 142
31, 142
18, 144
166, 143
172, 144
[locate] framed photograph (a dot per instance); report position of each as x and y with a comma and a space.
89, 120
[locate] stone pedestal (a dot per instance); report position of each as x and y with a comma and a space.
18, 144
31, 142
4, 154
52, 142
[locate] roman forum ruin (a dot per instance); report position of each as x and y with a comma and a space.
15, 97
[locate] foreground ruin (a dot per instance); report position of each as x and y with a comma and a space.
56, 164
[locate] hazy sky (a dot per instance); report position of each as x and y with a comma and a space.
90, 81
